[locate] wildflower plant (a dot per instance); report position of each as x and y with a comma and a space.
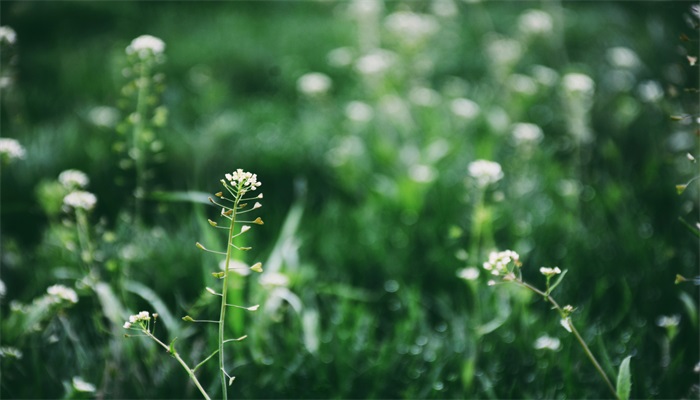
505, 266
141, 97
236, 201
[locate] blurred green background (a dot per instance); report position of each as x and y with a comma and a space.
369, 209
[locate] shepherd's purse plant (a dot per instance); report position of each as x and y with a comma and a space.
236, 201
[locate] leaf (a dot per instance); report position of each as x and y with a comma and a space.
558, 281
624, 380
171, 348
158, 304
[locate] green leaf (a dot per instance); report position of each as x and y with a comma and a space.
558, 281
624, 380
172, 347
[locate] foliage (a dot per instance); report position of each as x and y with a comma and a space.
371, 208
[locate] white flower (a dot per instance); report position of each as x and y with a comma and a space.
11, 148
314, 84
422, 173
650, 91
520, 83
546, 342
63, 293
550, 271
622, 57
667, 321
503, 51
411, 28
104, 116
469, 273
375, 62
535, 22
485, 172
498, 261
143, 316
545, 75
243, 181
8, 35
80, 385
340, 57
359, 111
464, 108
145, 45
578, 83
365, 8
80, 199
423, 96
73, 179
526, 133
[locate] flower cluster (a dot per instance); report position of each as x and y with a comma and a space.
7, 35
139, 318
498, 262
145, 45
535, 22
314, 84
526, 133
242, 181
11, 149
547, 342
549, 272
411, 28
578, 83
73, 179
80, 200
485, 172
63, 293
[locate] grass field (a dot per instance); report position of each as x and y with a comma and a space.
363, 121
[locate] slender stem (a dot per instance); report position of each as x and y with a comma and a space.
224, 292
139, 126
583, 344
182, 362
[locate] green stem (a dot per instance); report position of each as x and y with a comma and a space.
583, 344
182, 362
139, 127
84, 237
224, 292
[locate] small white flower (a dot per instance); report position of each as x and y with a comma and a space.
423, 96
622, 57
498, 262
245, 228
73, 179
469, 273
7, 35
545, 75
63, 293
485, 172
667, 321
359, 111
143, 316
578, 83
340, 57
375, 62
11, 148
546, 342
145, 45
464, 108
535, 22
80, 199
80, 385
314, 84
550, 271
243, 181
104, 116
411, 28
127, 325
650, 91
503, 51
525, 133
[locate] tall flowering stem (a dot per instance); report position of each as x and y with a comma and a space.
237, 184
506, 265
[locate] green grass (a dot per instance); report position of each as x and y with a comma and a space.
373, 308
